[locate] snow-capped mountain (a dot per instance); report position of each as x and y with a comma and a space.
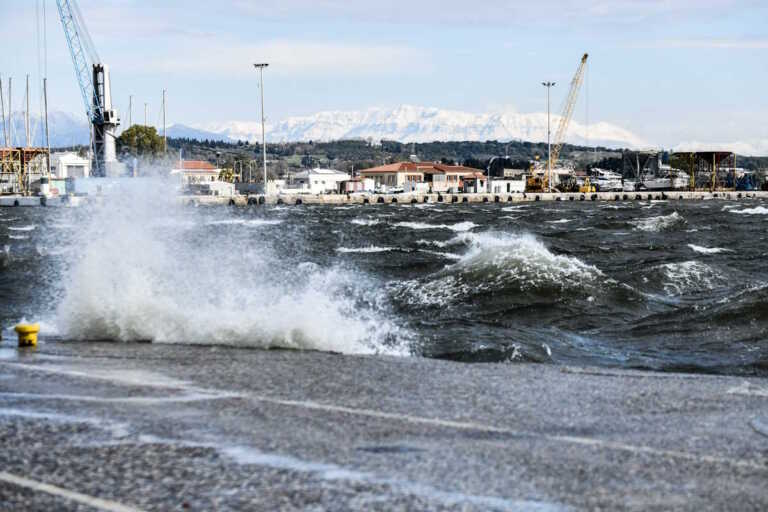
65, 129
421, 124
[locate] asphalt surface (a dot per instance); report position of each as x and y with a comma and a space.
124, 427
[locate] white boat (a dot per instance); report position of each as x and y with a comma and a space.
656, 183
607, 181
630, 185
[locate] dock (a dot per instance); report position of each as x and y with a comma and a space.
173, 427
373, 199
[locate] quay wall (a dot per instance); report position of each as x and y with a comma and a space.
373, 199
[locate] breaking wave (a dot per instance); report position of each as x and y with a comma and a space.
459, 227
134, 279
364, 250
708, 250
660, 223
689, 277
498, 263
758, 210
365, 222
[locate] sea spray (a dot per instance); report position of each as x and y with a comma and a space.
144, 267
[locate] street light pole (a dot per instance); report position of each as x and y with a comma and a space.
549, 86
261, 67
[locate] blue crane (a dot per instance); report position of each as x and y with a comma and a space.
93, 78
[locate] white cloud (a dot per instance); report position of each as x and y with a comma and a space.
494, 12
723, 44
285, 57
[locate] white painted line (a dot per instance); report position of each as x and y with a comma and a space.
97, 503
460, 425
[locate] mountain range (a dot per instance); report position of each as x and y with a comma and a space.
405, 123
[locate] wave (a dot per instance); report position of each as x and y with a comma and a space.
459, 227
758, 210
244, 222
18, 237
660, 223
365, 222
560, 221
30, 227
496, 262
689, 277
708, 250
127, 280
364, 250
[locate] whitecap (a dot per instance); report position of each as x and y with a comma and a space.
244, 222
22, 228
708, 250
364, 250
758, 210
459, 227
660, 223
365, 222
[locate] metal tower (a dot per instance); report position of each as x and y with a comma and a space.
95, 87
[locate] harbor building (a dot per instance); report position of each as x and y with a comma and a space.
196, 171
433, 176
319, 181
69, 164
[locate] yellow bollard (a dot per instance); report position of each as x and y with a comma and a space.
27, 334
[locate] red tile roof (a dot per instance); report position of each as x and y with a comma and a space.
198, 165
423, 167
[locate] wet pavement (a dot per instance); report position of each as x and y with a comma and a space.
88, 426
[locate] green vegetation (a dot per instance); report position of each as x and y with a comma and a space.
140, 142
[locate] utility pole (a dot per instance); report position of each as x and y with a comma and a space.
130, 110
261, 67
26, 115
549, 85
10, 109
146, 114
165, 138
47, 137
2, 109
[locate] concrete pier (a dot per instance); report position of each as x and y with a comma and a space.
373, 199
121, 427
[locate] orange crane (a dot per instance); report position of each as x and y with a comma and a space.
570, 105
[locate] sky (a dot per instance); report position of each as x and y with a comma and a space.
669, 71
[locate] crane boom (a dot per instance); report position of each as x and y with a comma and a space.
72, 30
94, 81
570, 105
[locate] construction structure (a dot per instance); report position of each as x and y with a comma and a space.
536, 182
22, 170
708, 170
95, 87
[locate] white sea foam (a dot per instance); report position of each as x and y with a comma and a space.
660, 223
758, 210
30, 227
708, 250
244, 222
365, 222
128, 280
364, 250
559, 221
496, 261
459, 227
18, 237
689, 276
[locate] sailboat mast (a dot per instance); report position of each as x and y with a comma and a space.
2, 110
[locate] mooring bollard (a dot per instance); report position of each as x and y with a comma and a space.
27, 334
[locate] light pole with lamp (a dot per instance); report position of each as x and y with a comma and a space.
261, 67
549, 85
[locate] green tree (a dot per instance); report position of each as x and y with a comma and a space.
140, 141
